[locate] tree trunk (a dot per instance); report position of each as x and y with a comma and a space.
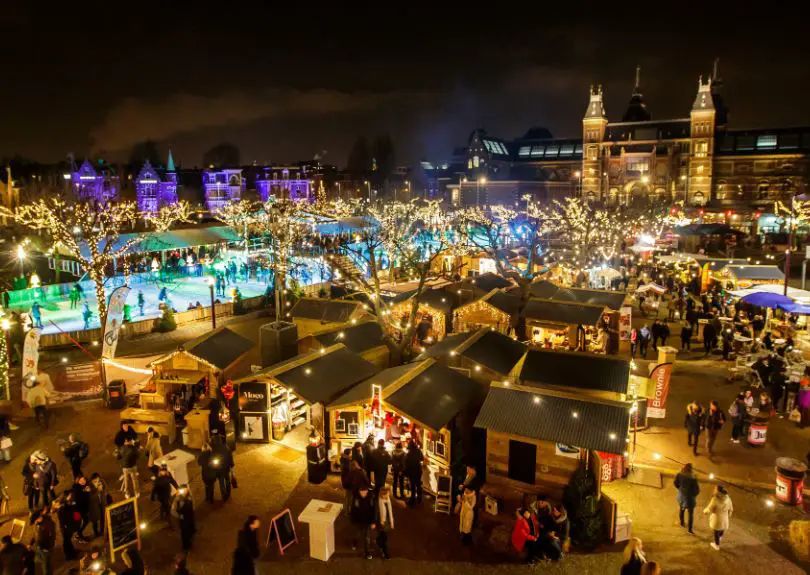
101, 297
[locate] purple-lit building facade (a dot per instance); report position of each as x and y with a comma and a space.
284, 182
222, 186
91, 184
153, 191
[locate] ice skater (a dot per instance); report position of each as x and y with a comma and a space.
87, 315
163, 295
141, 301
36, 314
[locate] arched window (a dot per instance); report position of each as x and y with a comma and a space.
476, 162
762, 190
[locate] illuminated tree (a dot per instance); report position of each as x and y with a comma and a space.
90, 232
5, 394
405, 237
239, 215
284, 224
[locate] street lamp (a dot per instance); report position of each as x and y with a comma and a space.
481, 181
211, 282
578, 176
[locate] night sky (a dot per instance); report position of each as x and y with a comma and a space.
287, 84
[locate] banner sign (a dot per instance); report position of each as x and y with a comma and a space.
625, 320
115, 314
657, 404
30, 362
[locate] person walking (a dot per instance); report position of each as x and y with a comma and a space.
688, 489
38, 400
222, 461
125, 432
5, 439
413, 469
714, 421
362, 516
141, 301
162, 489
36, 314
686, 336
87, 315
99, 499
183, 509
634, 558
68, 523
30, 485
81, 495
247, 547
633, 342
45, 476
381, 460
129, 469
44, 542
644, 340
466, 515
345, 469
693, 422
154, 451
385, 510
12, 556
719, 511
709, 338
75, 452
398, 470
208, 471
737, 412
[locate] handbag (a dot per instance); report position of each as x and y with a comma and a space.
795, 416
234, 483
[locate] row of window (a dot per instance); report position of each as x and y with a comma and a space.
549, 151
496, 147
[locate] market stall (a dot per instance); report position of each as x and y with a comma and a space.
297, 390
424, 401
497, 310
184, 382
561, 325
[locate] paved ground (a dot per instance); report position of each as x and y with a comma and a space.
271, 479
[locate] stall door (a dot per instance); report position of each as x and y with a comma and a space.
522, 461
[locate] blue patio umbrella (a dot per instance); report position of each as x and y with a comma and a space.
766, 299
797, 308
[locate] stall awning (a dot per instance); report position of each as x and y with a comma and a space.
358, 338
220, 348
575, 370
556, 417
754, 272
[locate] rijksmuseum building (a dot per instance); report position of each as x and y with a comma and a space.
697, 159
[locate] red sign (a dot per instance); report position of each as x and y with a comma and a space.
657, 404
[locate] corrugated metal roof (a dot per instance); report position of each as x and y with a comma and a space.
220, 348
362, 391
507, 303
586, 424
575, 369
445, 346
552, 311
547, 290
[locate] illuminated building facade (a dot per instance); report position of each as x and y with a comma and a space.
697, 159
222, 186
153, 191
284, 182
91, 184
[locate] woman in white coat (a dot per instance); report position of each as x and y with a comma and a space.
719, 510
466, 515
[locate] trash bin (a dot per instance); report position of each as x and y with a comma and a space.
317, 463
279, 430
790, 480
117, 394
758, 432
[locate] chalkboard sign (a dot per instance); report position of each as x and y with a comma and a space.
282, 530
122, 525
444, 494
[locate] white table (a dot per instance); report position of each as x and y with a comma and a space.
177, 461
321, 517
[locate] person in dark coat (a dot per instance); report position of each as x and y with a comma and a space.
413, 470
693, 422
29, 483
709, 338
688, 489
45, 476
183, 509
398, 469
69, 521
73, 452
222, 462
247, 547
162, 489
44, 541
81, 495
382, 460
634, 558
686, 336
126, 432
345, 469
713, 421
12, 556
99, 499
362, 516
208, 472
368, 455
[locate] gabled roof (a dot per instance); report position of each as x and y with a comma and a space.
507, 303
438, 298
489, 348
362, 391
325, 310
561, 418
551, 311
220, 348
320, 376
358, 338
575, 370
434, 395
604, 298
487, 282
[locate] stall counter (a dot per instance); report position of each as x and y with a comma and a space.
142, 419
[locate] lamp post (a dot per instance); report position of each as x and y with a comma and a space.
478, 183
578, 176
211, 282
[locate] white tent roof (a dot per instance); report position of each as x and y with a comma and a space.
652, 287
793, 293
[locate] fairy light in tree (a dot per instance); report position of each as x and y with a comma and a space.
90, 232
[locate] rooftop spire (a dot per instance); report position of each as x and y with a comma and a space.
170, 162
716, 70
637, 87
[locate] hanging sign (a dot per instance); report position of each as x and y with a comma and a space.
657, 404
115, 314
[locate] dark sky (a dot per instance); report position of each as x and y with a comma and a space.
287, 83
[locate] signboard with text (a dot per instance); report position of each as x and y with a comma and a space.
660, 378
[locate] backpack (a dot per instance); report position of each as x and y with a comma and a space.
733, 410
84, 450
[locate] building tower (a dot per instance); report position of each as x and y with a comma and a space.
594, 124
637, 108
702, 126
